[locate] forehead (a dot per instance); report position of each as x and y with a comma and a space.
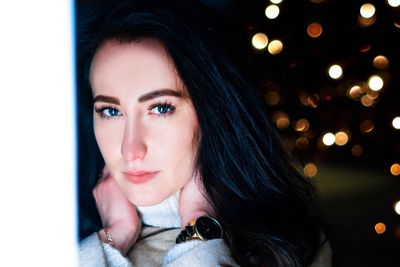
144, 59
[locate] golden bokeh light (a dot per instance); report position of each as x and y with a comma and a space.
380, 228
365, 22
367, 101
365, 48
272, 11
310, 170
335, 71
341, 138
367, 10
366, 126
357, 150
313, 100
395, 169
281, 119
282, 123
373, 94
381, 62
272, 98
302, 142
328, 139
375, 82
355, 92
393, 3
276, 1
302, 125
396, 207
396, 123
275, 47
259, 41
309, 100
314, 29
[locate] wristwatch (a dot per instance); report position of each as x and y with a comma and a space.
202, 228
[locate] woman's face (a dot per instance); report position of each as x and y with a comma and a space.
144, 122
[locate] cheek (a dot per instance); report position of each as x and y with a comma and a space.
108, 141
182, 143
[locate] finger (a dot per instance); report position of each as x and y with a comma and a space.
105, 172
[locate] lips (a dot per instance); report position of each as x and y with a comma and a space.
139, 177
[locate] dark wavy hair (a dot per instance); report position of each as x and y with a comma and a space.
266, 207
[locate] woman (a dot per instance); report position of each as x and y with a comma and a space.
186, 143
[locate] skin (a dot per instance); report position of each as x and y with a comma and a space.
137, 130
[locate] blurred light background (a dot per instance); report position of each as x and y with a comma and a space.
329, 71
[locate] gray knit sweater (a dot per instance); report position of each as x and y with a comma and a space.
156, 245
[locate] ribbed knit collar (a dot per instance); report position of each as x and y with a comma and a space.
164, 214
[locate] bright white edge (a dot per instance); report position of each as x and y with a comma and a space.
37, 134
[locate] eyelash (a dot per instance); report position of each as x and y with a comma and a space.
165, 105
171, 108
100, 111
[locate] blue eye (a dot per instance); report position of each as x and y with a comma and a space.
108, 112
161, 109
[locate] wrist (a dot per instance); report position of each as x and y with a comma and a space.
188, 218
122, 238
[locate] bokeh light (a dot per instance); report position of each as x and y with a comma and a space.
276, 1
365, 48
272, 98
373, 94
302, 125
314, 30
355, 92
335, 71
272, 11
396, 123
302, 142
341, 138
367, 101
380, 228
395, 169
396, 207
365, 22
366, 126
310, 170
275, 47
259, 41
367, 10
328, 139
381, 62
375, 82
357, 150
281, 119
393, 3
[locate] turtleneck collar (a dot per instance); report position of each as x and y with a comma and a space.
164, 214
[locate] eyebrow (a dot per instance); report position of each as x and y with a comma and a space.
143, 98
158, 93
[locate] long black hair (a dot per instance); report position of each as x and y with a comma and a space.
265, 206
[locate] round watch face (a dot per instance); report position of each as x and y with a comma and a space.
208, 228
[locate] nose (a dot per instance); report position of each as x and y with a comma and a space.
133, 146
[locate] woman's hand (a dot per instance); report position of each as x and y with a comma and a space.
192, 203
117, 213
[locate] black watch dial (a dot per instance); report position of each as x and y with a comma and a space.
208, 228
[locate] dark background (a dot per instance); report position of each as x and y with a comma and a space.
356, 191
